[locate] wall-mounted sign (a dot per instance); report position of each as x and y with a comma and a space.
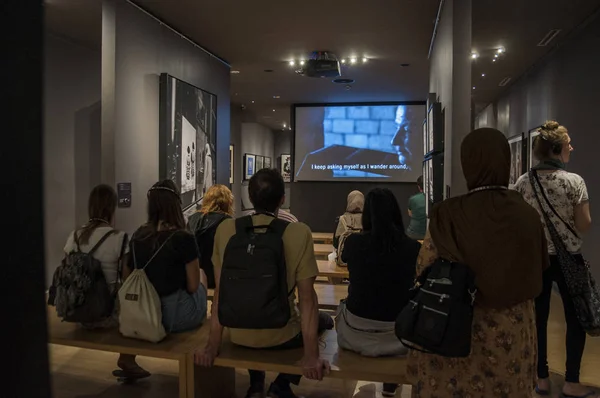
124, 194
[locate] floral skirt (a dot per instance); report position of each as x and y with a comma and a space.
502, 362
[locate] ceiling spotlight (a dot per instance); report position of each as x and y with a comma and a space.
364, 60
284, 125
483, 75
352, 60
500, 50
252, 101
301, 62
495, 55
276, 96
273, 110
494, 60
292, 63
343, 61
235, 72
473, 87
474, 55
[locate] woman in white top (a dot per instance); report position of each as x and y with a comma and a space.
111, 253
568, 195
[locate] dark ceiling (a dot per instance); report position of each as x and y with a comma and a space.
254, 36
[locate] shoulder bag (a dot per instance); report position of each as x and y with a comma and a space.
582, 287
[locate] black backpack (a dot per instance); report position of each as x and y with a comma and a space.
253, 290
79, 289
204, 227
439, 317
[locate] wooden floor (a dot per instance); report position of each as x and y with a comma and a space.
80, 373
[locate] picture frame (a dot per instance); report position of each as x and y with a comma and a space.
260, 162
531, 139
433, 180
267, 164
517, 156
285, 166
231, 164
425, 138
249, 166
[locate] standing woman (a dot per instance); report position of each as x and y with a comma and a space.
568, 195
112, 254
500, 238
170, 253
217, 206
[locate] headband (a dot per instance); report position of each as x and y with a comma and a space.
163, 189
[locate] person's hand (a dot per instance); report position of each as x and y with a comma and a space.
315, 368
206, 357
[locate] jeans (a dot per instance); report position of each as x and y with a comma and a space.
575, 340
283, 380
182, 311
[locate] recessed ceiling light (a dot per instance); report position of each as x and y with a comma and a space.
292, 63
500, 50
273, 110
284, 125
364, 60
343, 61
494, 60
495, 55
301, 62
252, 101
235, 72
483, 75
473, 87
474, 55
352, 60
276, 96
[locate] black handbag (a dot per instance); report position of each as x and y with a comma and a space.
581, 284
439, 317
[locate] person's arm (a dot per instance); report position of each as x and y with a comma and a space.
583, 218
427, 255
313, 366
192, 273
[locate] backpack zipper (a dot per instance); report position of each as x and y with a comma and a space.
441, 296
442, 281
434, 310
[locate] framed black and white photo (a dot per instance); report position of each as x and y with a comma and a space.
267, 164
516, 158
425, 138
249, 166
188, 133
231, 165
532, 134
260, 162
285, 167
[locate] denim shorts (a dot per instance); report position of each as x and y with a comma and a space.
182, 311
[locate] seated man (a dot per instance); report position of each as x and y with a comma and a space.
266, 189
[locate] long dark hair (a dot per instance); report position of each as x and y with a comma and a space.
382, 219
102, 204
164, 206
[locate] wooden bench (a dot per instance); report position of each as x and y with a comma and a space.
331, 270
322, 251
344, 364
323, 237
178, 347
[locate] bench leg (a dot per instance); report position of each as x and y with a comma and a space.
215, 382
183, 378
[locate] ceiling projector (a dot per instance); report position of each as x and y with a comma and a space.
320, 64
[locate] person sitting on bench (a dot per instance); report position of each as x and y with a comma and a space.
111, 253
381, 263
253, 242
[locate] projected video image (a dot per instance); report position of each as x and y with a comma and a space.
359, 143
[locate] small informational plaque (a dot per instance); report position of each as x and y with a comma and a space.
124, 194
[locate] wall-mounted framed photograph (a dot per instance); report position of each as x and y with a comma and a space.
231, 153
425, 138
285, 166
433, 180
532, 134
516, 158
260, 162
249, 166
267, 164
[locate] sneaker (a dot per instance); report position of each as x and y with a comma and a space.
276, 392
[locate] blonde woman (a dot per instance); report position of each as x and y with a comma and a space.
217, 206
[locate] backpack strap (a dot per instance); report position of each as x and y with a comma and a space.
153, 255
243, 224
100, 242
278, 226
76, 240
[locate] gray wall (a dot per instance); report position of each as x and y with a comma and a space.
71, 140
450, 79
236, 140
565, 88
319, 203
144, 49
256, 139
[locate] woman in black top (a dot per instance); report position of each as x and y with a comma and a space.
381, 263
170, 252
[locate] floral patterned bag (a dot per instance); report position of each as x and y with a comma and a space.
582, 287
